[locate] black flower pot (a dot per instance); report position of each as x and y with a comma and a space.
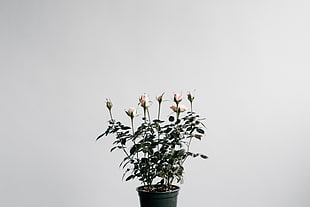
158, 199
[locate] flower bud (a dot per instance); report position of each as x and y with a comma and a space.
131, 112
190, 97
145, 101
160, 98
177, 98
109, 104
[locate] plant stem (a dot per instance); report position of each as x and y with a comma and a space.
144, 112
148, 114
189, 143
178, 112
110, 114
158, 139
125, 151
133, 132
158, 115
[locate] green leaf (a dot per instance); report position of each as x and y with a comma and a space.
198, 136
101, 135
130, 177
203, 156
123, 141
189, 129
113, 148
195, 155
171, 118
134, 149
158, 121
127, 170
168, 130
201, 131
189, 153
125, 162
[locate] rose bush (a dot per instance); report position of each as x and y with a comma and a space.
155, 152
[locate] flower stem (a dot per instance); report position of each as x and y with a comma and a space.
110, 114
133, 131
148, 114
144, 111
159, 106
189, 143
178, 112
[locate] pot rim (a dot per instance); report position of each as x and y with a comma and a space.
140, 190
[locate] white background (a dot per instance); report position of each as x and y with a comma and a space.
247, 61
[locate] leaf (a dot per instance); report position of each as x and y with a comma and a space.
171, 118
130, 177
168, 130
195, 155
203, 125
189, 153
158, 121
125, 127
113, 148
123, 141
101, 135
201, 131
203, 156
125, 162
134, 149
198, 136
189, 128
127, 170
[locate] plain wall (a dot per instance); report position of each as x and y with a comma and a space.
247, 61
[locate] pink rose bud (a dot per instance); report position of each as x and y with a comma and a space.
144, 101
178, 98
132, 112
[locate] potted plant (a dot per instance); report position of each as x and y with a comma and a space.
156, 150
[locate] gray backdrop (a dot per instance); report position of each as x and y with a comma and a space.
247, 61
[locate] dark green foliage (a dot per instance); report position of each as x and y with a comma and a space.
156, 152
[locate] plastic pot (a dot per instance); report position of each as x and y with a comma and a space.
158, 199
